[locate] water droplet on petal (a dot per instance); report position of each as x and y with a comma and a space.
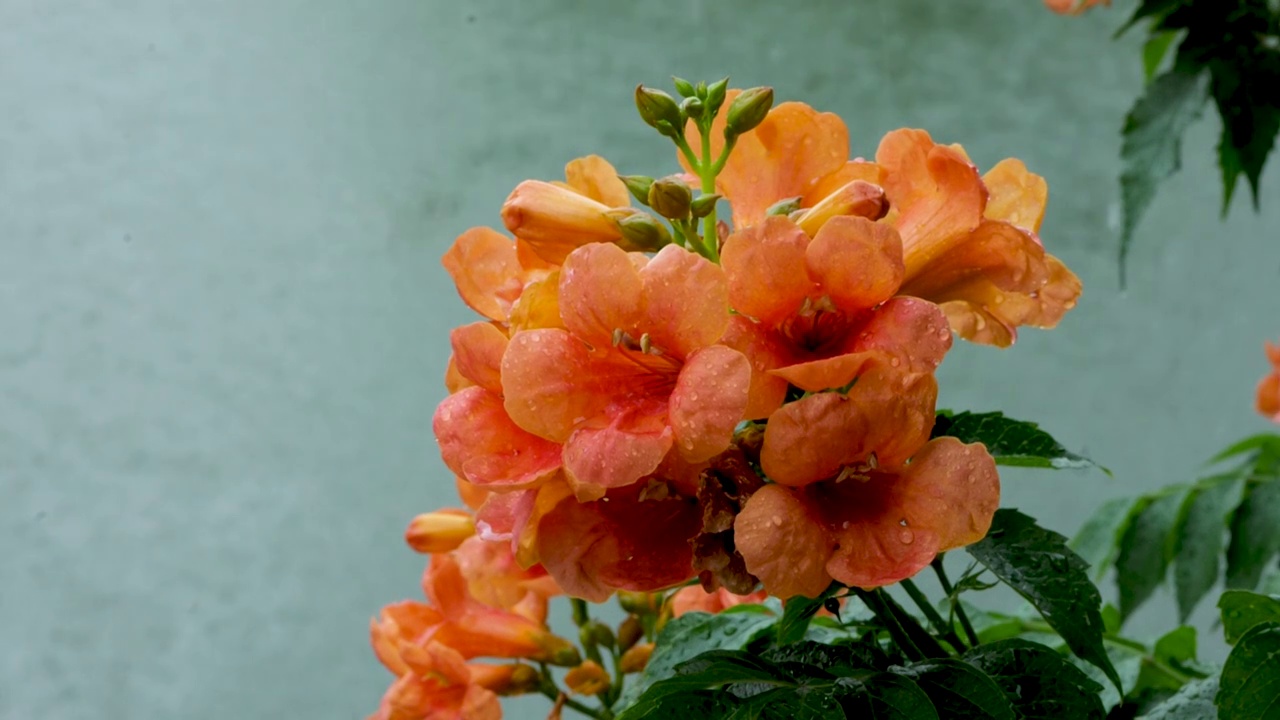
777, 521
906, 536
895, 362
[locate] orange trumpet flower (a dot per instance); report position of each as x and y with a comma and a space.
1269, 388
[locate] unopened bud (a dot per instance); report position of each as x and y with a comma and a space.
748, 110
522, 679
565, 655
587, 679
642, 232
715, 95
638, 186
639, 603
702, 206
670, 198
700, 89
684, 87
629, 632
785, 206
440, 531
858, 198
692, 107
597, 633
657, 107
634, 660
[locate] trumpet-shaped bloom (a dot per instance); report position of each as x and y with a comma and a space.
439, 531
502, 279
869, 529
557, 218
1073, 7
635, 373
439, 684
818, 312
1269, 388
695, 599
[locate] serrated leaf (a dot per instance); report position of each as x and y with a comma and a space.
1038, 681
1038, 564
1200, 538
1247, 99
710, 670
1154, 51
1145, 551
1011, 442
1193, 702
1241, 610
1099, 538
798, 611
960, 690
1250, 685
1152, 146
884, 696
1254, 540
1128, 663
842, 659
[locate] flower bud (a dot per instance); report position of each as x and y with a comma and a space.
587, 679
564, 655
748, 110
629, 632
702, 206
858, 198
786, 206
638, 186
520, 679
640, 603
440, 531
692, 107
597, 633
684, 87
670, 198
555, 220
657, 107
634, 660
715, 95
643, 233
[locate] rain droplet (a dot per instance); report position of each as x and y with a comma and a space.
906, 536
844, 525
895, 362
777, 521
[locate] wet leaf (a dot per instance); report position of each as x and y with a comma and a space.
1011, 442
1038, 681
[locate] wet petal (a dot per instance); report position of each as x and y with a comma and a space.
765, 352
630, 446
454, 380
538, 306
765, 265
847, 173
547, 383
857, 199
397, 625
1017, 196
857, 262
912, 332
709, 401
480, 442
594, 177
555, 221
1004, 255
483, 265
477, 354
976, 322
601, 291
783, 543
686, 301
695, 599
953, 489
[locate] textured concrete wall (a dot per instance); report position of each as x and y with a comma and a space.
223, 321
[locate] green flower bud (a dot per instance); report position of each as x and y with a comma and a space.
638, 186
692, 107
639, 603
715, 95
700, 90
748, 110
642, 232
670, 198
657, 107
684, 87
629, 632
567, 656
597, 633
703, 206
786, 206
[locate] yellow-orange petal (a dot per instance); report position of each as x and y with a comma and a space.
852, 170
1016, 195
439, 531
472, 495
481, 443
686, 301
831, 372
857, 199
538, 306
601, 291
630, 445
857, 262
588, 678
555, 221
783, 543
483, 265
1006, 256
477, 354
546, 383
635, 659
439, 662
765, 352
765, 266
595, 178
454, 380
408, 698
398, 624
709, 401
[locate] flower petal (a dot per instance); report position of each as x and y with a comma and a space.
709, 401
686, 301
783, 543
538, 306
480, 442
847, 173
555, 220
857, 262
765, 265
857, 199
547, 383
595, 178
601, 291
630, 446
483, 265
1017, 196
765, 353
477, 354
829, 373
1269, 397
912, 332
1006, 256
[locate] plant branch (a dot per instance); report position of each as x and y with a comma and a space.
947, 588
931, 614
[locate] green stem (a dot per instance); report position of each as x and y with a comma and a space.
885, 615
548, 687
707, 171
931, 614
724, 154
961, 615
687, 151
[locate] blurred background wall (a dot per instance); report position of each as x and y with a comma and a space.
223, 319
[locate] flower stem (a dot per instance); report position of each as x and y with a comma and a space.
931, 614
961, 615
873, 600
707, 170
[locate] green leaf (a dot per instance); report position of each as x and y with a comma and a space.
1038, 681
1154, 51
885, 696
1250, 685
797, 613
1152, 146
1266, 443
1011, 442
960, 690
842, 659
1145, 551
711, 670
1241, 610
1128, 663
1149, 9
1099, 537
1254, 540
1038, 564
1177, 646
1193, 702
1200, 538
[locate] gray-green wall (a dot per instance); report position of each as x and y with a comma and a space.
223, 321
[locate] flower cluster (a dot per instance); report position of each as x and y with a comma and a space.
1269, 387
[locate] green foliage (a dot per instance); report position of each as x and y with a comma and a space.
1193, 702
1037, 680
1039, 565
1146, 549
1198, 540
1242, 610
797, 613
1250, 685
960, 690
1010, 442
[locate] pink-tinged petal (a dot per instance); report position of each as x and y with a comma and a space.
849, 172
601, 291
709, 401
556, 220
952, 489
630, 446
454, 380
830, 373
479, 442
594, 177
889, 415
782, 543
548, 384
1017, 196
912, 332
765, 265
592, 549
695, 599
857, 262
483, 265
503, 514
686, 301
765, 352
477, 354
